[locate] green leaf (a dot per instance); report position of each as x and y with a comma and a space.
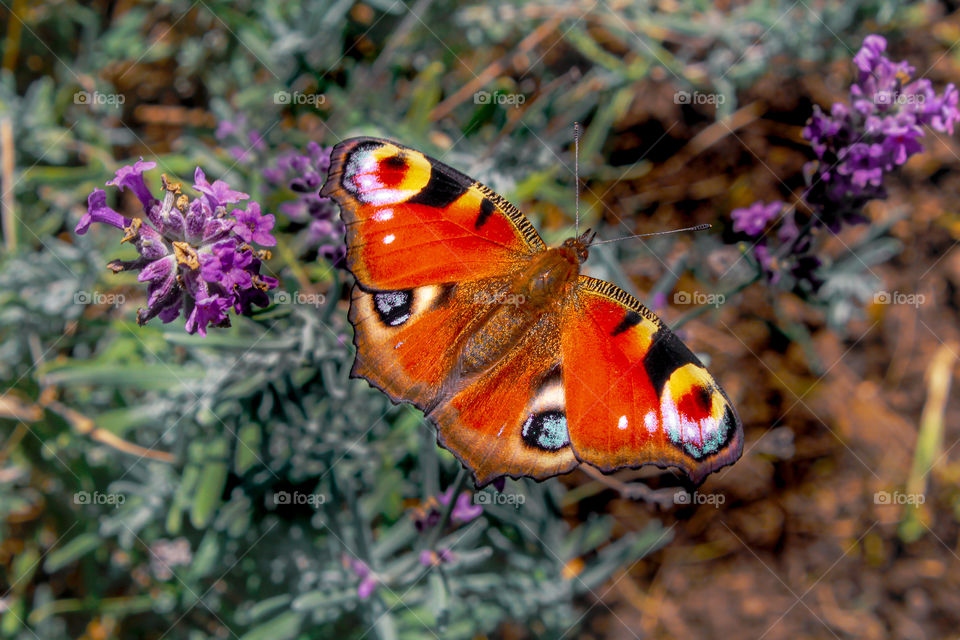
206, 557
141, 376
70, 552
248, 444
320, 598
181, 498
264, 607
213, 478
283, 627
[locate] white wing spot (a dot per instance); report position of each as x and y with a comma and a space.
650, 421
389, 238
623, 423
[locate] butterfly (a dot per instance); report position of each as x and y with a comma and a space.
525, 366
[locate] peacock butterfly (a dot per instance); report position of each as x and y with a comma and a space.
526, 367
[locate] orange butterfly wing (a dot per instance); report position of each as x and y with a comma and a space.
430, 346
635, 394
413, 221
591, 376
407, 340
508, 418
425, 307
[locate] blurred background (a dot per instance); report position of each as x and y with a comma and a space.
156, 484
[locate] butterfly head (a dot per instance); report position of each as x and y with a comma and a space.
581, 244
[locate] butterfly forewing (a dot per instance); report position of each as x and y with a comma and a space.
635, 393
413, 221
409, 341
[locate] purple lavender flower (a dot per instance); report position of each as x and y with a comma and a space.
195, 257
227, 266
218, 193
243, 142
856, 146
768, 263
368, 582
464, 510
304, 175
753, 220
98, 211
253, 227
431, 558
658, 301
132, 178
428, 513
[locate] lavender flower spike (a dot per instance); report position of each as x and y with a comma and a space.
753, 220
195, 256
856, 145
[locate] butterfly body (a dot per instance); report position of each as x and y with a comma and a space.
526, 366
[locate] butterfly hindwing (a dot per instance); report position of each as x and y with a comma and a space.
431, 346
635, 393
414, 221
509, 418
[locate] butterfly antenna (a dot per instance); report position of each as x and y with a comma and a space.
699, 227
576, 171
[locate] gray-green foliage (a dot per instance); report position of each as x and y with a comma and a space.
267, 406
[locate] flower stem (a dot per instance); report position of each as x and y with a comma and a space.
283, 249
447, 510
